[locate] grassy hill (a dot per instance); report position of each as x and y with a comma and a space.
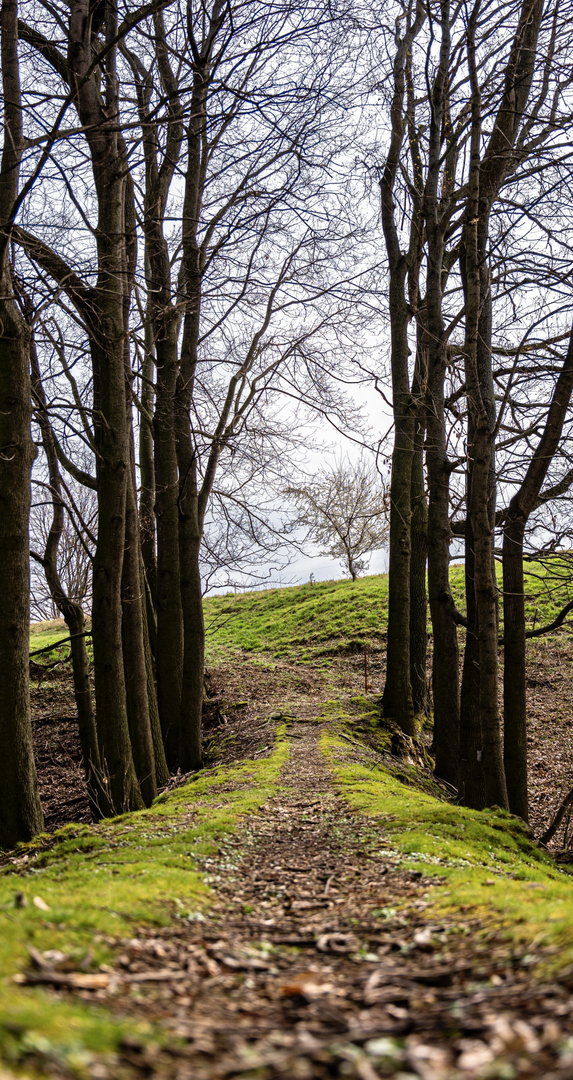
307, 621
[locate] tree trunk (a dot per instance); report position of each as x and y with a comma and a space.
520, 507
418, 595
20, 811
397, 702
190, 752
514, 679
445, 662
161, 768
99, 111
486, 178
169, 646
135, 667
146, 461
471, 790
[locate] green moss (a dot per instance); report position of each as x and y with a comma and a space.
486, 860
104, 881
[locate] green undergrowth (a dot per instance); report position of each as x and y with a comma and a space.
486, 861
101, 883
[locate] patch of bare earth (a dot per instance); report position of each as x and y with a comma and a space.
320, 959
550, 730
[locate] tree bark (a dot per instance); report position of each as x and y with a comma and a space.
486, 178
168, 597
437, 210
164, 578
520, 507
418, 575
20, 810
397, 703
99, 114
134, 659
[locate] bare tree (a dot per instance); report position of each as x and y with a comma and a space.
345, 512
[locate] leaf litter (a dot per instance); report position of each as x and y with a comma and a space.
321, 957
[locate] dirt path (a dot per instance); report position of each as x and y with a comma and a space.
305, 969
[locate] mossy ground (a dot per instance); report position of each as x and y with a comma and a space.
491, 865
138, 869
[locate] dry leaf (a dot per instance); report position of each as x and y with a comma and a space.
75, 980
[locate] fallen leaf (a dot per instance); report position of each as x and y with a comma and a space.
308, 985
75, 980
337, 943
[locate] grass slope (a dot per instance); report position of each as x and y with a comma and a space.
305, 622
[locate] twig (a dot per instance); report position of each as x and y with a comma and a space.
56, 644
553, 827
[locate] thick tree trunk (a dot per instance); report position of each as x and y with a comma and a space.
107, 613
486, 597
168, 596
437, 209
520, 507
397, 701
20, 811
161, 767
134, 660
514, 679
489, 788
445, 662
471, 791
418, 594
99, 111
486, 178
146, 460
190, 752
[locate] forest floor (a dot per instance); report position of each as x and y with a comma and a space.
245, 687
306, 906
321, 954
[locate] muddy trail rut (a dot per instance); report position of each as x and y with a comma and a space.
321, 958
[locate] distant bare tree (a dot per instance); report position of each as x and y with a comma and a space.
74, 549
345, 512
